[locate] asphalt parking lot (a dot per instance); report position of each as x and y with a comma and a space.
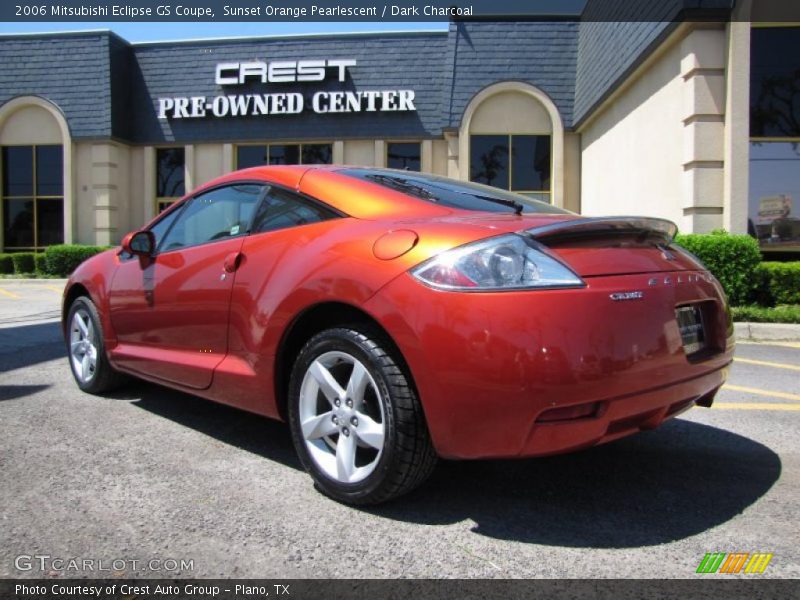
149, 473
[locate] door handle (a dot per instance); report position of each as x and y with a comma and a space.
232, 262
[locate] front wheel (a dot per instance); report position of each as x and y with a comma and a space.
87, 354
356, 421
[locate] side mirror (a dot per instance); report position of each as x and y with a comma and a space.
140, 243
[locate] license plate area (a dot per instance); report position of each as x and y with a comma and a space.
691, 325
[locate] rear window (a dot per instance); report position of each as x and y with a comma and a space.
454, 194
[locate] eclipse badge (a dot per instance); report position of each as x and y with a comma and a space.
617, 296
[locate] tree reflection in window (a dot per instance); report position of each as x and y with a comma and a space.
518, 163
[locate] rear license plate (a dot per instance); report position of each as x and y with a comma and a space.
690, 324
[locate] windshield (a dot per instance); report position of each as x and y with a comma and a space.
454, 194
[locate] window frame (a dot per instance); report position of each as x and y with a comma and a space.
34, 197
267, 145
510, 137
168, 200
766, 139
386, 152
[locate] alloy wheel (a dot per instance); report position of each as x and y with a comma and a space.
341, 417
83, 346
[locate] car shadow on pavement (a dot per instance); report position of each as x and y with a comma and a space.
252, 433
28, 344
655, 487
12, 392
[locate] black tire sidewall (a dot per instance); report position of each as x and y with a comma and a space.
345, 340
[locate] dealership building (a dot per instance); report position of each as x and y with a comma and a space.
697, 122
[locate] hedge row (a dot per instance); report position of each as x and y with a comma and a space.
55, 261
779, 283
733, 259
785, 313
736, 261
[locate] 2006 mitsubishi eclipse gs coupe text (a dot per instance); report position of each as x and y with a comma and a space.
392, 317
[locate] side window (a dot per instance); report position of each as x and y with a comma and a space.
160, 228
218, 214
281, 209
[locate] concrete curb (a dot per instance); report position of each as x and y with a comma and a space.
767, 332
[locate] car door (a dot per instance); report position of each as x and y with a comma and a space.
170, 311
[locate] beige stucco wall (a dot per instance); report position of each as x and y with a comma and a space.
632, 153
511, 112
30, 125
136, 191
439, 157
359, 152
658, 146
103, 179
208, 162
572, 172
84, 200
736, 149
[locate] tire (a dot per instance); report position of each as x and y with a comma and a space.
90, 354
378, 422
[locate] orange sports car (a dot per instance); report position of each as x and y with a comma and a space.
394, 317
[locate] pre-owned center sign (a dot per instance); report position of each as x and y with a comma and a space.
283, 103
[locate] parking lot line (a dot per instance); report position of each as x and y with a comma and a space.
781, 344
766, 363
755, 406
8, 294
60, 291
760, 392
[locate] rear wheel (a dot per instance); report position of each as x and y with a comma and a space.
87, 356
356, 421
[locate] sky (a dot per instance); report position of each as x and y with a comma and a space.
144, 32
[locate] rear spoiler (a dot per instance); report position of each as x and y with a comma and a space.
645, 227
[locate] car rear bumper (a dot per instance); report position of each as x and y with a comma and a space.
489, 366
618, 417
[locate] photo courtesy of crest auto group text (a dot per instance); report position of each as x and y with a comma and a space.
443, 300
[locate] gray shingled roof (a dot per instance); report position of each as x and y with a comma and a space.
577, 63
541, 53
72, 71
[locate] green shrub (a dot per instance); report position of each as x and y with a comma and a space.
63, 259
6, 264
780, 283
23, 263
786, 313
40, 262
733, 259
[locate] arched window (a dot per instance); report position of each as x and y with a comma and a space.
32, 182
511, 137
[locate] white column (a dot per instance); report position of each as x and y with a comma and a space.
149, 184
426, 156
736, 151
703, 73
380, 153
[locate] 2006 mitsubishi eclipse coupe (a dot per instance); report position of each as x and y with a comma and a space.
394, 317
